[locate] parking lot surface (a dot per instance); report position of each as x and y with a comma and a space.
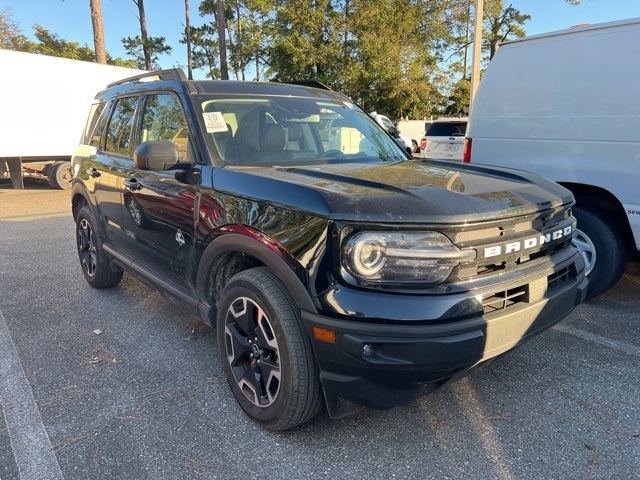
122, 384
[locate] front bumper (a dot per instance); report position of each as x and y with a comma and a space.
383, 364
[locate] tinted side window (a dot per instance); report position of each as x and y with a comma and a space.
119, 129
447, 129
94, 115
163, 119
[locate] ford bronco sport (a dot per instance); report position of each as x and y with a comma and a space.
337, 270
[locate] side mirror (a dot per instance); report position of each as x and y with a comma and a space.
158, 155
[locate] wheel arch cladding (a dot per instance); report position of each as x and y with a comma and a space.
231, 253
78, 201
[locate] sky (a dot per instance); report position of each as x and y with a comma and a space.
71, 19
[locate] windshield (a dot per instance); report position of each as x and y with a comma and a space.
273, 131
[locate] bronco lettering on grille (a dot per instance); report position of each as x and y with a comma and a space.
527, 243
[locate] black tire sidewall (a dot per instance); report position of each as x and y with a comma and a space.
104, 277
274, 416
610, 248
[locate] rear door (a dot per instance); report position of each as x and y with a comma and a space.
107, 169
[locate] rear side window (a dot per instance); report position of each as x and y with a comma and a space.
447, 129
94, 115
120, 126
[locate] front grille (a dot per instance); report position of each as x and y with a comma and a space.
558, 278
527, 293
524, 232
502, 300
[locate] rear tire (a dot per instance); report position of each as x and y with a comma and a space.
61, 175
266, 353
603, 248
94, 262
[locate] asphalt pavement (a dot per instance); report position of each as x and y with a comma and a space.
122, 384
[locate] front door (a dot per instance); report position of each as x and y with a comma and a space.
158, 207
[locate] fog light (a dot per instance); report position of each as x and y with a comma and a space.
368, 350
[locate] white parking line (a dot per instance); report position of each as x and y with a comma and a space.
30, 442
591, 337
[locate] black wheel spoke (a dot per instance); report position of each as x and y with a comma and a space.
85, 236
86, 247
251, 385
242, 312
270, 377
238, 346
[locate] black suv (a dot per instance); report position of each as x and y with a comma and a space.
335, 268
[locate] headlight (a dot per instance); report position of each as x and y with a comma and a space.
413, 257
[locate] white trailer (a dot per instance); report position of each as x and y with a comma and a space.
44, 102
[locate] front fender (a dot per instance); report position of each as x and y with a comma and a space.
250, 241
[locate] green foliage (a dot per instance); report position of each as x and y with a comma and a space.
306, 42
248, 28
381, 53
51, 44
402, 58
11, 36
120, 62
156, 46
204, 50
458, 100
501, 23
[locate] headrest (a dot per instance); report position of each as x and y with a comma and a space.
272, 138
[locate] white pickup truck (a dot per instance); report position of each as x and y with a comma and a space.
44, 109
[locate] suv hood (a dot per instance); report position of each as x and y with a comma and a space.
408, 192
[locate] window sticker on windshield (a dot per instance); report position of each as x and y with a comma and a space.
214, 122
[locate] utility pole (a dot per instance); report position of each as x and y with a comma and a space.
477, 49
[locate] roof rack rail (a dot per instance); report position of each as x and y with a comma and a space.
169, 74
309, 83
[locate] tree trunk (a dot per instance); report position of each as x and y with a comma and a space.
239, 36
221, 21
98, 31
231, 46
187, 34
144, 35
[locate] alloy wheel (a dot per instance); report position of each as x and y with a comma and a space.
87, 248
252, 352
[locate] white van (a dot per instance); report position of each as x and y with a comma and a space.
566, 105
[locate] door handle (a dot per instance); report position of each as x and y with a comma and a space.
92, 172
133, 184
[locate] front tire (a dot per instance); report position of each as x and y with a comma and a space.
265, 352
603, 249
95, 264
